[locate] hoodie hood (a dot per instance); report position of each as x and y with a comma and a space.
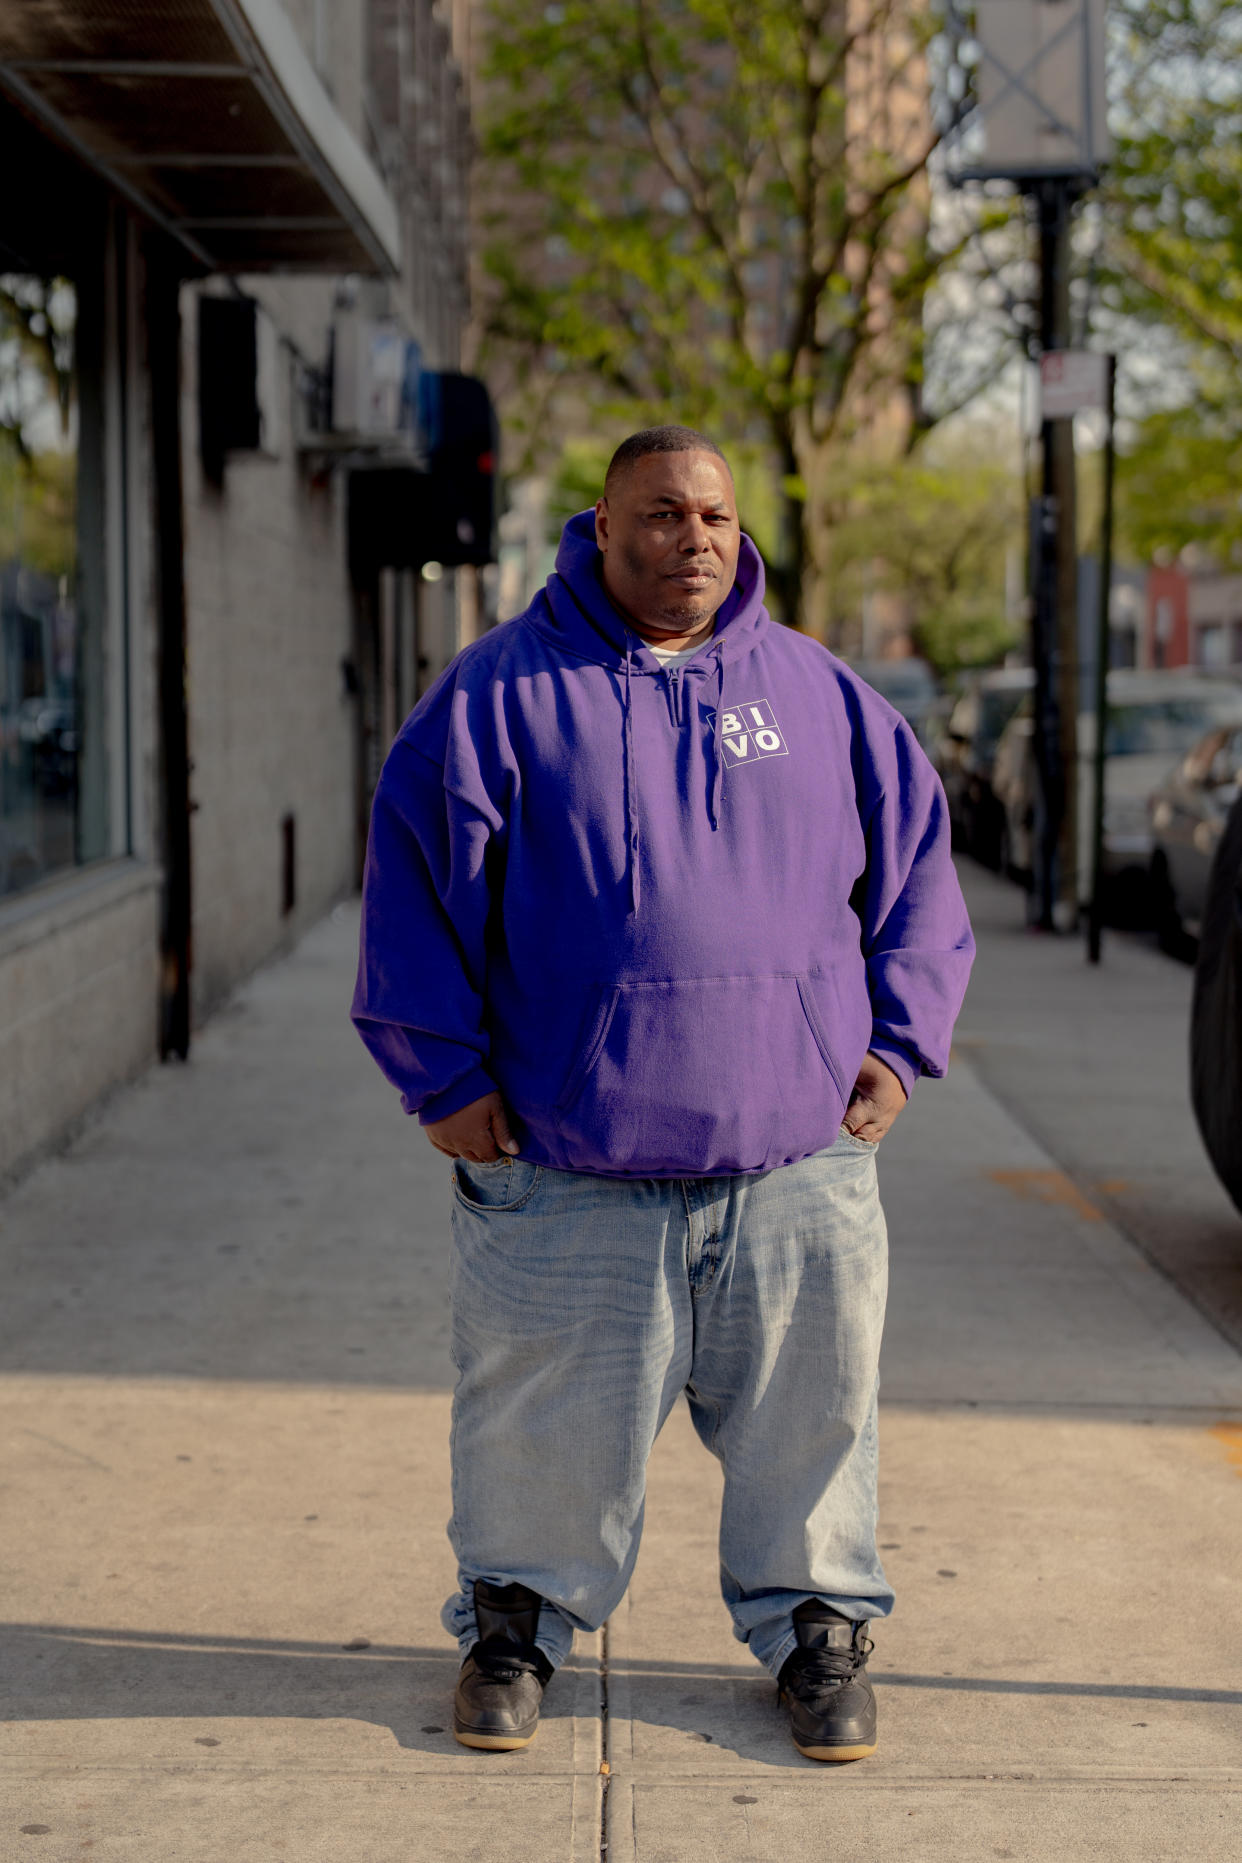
578, 616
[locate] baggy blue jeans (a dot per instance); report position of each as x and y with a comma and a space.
583, 1306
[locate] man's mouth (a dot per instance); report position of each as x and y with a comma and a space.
693, 578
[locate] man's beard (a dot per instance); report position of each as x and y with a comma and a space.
683, 617
680, 612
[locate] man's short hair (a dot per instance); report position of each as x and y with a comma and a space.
656, 440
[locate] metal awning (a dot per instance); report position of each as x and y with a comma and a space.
209, 116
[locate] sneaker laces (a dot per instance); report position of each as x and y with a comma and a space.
813, 1672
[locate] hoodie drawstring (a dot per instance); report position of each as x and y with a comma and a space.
633, 833
717, 746
632, 844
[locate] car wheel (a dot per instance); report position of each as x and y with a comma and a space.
1171, 934
1216, 1013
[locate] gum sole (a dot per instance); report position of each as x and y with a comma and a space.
836, 1753
493, 1743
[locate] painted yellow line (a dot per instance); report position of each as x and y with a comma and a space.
1048, 1187
1229, 1436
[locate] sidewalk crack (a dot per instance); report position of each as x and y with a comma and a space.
605, 1761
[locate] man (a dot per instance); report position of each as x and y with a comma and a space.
659, 929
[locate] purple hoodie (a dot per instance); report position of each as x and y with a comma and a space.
665, 912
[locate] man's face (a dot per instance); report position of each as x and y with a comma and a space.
670, 538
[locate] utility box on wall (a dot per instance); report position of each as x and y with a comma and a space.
375, 375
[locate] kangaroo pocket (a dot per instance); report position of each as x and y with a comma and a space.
703, 1075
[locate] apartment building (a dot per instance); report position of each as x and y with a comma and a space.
244, 494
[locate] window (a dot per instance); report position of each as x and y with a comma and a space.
64, 735
1157, 727
39, 636
997, 706
1212, 645
1226, 765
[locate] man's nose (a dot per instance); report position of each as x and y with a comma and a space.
693, 537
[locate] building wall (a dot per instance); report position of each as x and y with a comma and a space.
78, 983
270, 614
334, 35
1214, 612
268, 626
1168, 626
271, 621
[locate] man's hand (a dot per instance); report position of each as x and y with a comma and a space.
479, 1132
877, 1099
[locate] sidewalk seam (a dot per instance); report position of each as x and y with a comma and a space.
604, 1749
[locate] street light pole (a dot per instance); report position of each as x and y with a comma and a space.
1103, 638
1028, 106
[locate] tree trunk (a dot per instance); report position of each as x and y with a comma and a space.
786, 574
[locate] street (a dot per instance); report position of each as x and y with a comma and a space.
225, 1424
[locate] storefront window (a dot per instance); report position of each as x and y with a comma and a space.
40, 701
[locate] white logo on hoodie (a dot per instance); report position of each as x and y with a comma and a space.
750, 732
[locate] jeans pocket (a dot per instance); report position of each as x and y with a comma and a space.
502, 1184
852, 1138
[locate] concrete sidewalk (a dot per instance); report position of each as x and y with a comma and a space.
225, 1389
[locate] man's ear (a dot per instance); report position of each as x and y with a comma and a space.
601, 523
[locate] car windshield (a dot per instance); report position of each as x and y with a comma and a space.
912, 682
996, 708
1158, 727
900, 681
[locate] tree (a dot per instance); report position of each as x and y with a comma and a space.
1173, 197
1172, 261
1179, 482
38, 466
938, 529
721, 213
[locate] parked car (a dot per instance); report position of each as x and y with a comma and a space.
1152, 719
1216, 1012
964, 754
1188, 812
909, 685
46, 730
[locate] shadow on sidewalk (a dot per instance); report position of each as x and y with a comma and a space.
74, 1672
68, 1672
737, 1710
654, 1670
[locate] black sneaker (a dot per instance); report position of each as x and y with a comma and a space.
831, 1706
500, 1688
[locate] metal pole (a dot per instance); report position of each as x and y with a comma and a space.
163, 322
1095, 918
1053, 198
